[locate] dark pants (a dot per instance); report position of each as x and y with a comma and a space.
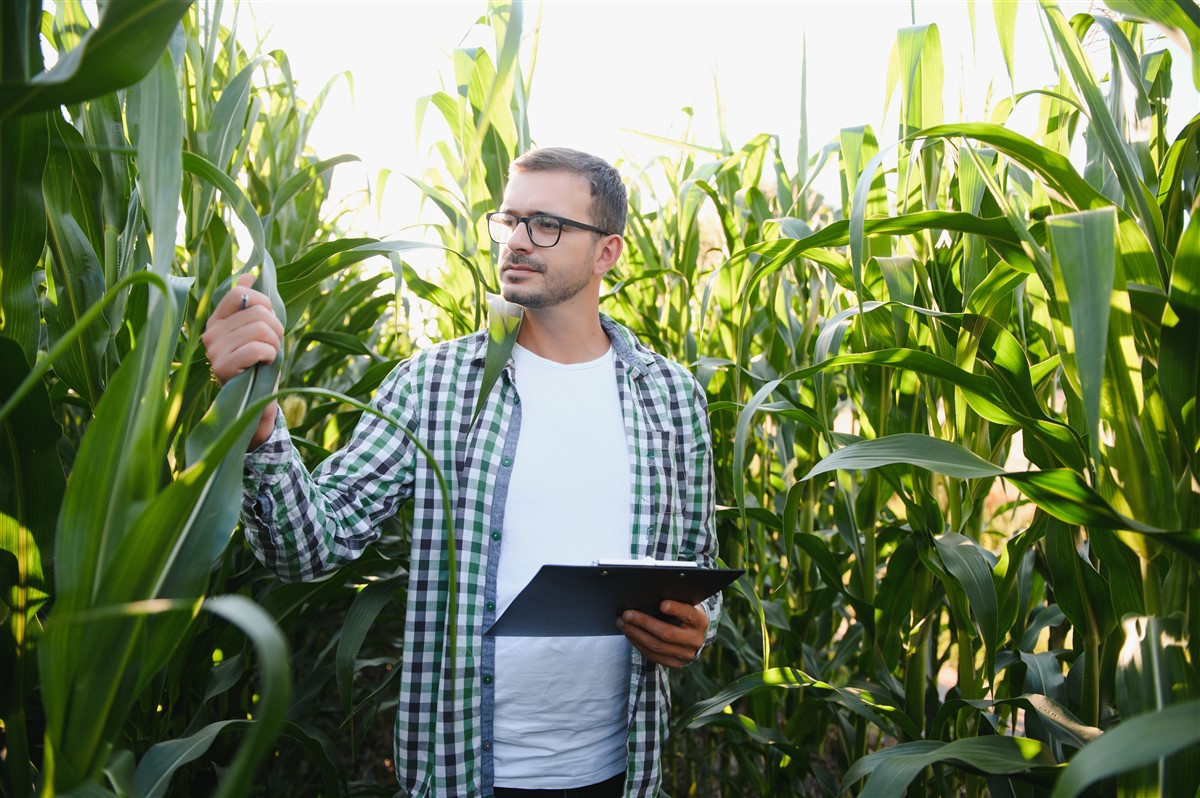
611, 788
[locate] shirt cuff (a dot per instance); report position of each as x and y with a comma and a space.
273, 456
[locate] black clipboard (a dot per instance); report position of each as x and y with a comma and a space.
585, 600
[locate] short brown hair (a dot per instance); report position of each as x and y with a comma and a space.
609, 202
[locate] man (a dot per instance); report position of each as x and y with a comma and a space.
589, 446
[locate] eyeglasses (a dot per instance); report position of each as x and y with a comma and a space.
544, 229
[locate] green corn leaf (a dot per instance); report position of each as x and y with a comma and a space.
774, 255
504, 324
1153, 674
299, 281
741, 440
1002, 402
154, 771
861, 702
1127, 77
744, 587
1179, 356
1123, 570
95, 519
321, 750
345, 342
353, 298
1052, 167
858, 212
160, 174
89, 790
24, 146
920, 53
1117, 151
61, 349
791, 513
302, 179
966, 562
367, 605
24, 591
31, 475
1174, 197
857, 147
1060, 492
831, 569
893, 769
104, 133
76, 274
118, 52
160, 763
1043, 674
241, 205
1176, 16
1135, 742
925, 451
226, 127
1005, 13
1083, 253
95, 512
274, 692
1066, 726
919, 64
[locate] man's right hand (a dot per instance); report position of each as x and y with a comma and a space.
242, 332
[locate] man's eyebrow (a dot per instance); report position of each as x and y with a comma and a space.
530, 213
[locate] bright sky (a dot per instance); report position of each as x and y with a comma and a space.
606, 68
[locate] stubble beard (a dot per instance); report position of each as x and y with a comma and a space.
557, 286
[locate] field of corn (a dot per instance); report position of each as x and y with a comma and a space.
954, 410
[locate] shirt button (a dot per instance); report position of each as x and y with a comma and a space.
517, 401
491, 605
506, 462
495, 535
487, 745
487, 679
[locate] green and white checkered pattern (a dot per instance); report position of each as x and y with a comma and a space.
302, 526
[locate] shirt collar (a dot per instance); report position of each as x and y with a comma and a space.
626, 347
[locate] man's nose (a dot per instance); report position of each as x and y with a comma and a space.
520, 240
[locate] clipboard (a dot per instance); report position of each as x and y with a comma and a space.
585, 600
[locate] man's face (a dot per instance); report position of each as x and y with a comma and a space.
542, 277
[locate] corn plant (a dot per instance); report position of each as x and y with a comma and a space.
121, 460
953, 418
995, 305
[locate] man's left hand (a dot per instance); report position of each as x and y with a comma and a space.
666, 643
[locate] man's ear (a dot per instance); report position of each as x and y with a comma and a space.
607, 254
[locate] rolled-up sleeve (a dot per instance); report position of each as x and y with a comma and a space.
302, 525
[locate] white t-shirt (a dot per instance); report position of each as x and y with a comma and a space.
561, 704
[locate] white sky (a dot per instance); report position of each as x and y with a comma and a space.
604, 68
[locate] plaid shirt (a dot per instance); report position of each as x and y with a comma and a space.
302, 526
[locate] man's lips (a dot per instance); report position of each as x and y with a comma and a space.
520, 267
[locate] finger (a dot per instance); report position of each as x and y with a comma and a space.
256, 323
655, 649
234, 348
241, 295
662, 637
662, 630
689, 614
253, 353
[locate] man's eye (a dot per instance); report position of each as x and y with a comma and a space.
546, 224
505, 221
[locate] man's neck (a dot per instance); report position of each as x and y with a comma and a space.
563, 337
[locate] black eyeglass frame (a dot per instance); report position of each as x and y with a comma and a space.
562, 222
